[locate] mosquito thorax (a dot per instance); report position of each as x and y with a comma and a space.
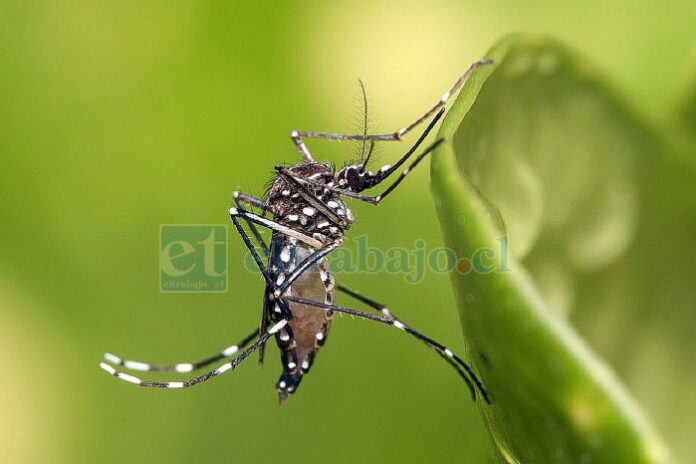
291, 208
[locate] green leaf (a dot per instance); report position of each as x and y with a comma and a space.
537, 183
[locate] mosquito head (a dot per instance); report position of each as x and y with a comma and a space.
356, 179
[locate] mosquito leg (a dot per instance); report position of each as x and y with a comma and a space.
227, 352
297, 136
387, 170
285, 281
405, 172
241, 198
201, 378
250, 246
262, 221
471, 378
181, 367
384, 310
301, 147
285, 310
368, 301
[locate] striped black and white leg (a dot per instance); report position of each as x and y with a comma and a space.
270, 224
183, 366
471, 379
368, 301
267, 304
230, 365
188, 366
387, 313
297, 136
284, 282
240, 199
279, 305
268, 277
387, 170
406, 171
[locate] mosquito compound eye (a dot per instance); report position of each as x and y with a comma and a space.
353, 179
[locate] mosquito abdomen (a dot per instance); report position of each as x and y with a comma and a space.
308, 328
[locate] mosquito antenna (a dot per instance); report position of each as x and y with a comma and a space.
364, 141
367, 158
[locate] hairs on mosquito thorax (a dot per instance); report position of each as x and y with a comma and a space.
267, 187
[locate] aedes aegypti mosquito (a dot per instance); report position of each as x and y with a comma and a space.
309, 218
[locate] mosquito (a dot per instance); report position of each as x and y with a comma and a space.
308, 219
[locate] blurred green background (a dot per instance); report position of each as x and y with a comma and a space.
118, 118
